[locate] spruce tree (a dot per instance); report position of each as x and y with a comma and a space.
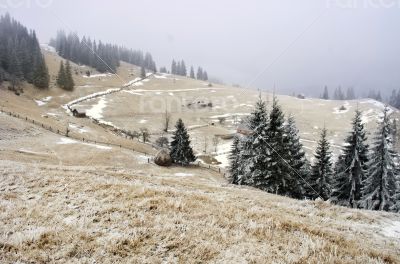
234, 158
380, 186
69, 81
181, 151
297, 171
320, 180
199, 75
142, 72
255, 151
173, 67
277, 183
192, 73
325, 95
41, 75
205, 76
61, 78
351, 168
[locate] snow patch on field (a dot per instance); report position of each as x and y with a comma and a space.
47, 47
181, 174
66, 141
392, 230
160, 76
132, 92
43, 101
97, 110
80, 129
143, 121
98, 75
92, 96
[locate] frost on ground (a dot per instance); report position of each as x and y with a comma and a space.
152, 215
66, 141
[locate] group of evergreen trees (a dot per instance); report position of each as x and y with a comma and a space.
104, 57
271, 158
64, 77
179, 68
339, 94
395, 99
20, 55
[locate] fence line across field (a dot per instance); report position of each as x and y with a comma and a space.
66, 133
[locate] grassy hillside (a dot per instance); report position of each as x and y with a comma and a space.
66, 200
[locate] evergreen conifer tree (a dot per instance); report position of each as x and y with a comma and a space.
380, 186
320, 179
255, 151
142, 72
69, 81
41, 75
278, 167
351, 168
297, 171
199, 75
61, 78
192, 73
181, 152
325, 95
234, 158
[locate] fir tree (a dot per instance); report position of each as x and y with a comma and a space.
351, 168
69, 81
61, 78
205, 76
41, 75
192, 73
181, 151
183, 70
142, 72
234, 158
380, 186
277, 183
294, 155
255, 153
320, 181
173, 67
325, 95
199, 75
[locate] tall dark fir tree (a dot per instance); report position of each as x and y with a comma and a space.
181, 152
295, 161
380, 186
351, 168
235, 160
320, 180
255, 152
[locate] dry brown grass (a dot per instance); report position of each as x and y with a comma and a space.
109, 215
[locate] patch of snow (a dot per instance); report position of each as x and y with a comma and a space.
80, 129
40, 103
47, 47
132, 92
172, 94
98, 75
159, 76
97, 110
132, 81
181, 174
392, 230
337, 110
91, 96
64, 141
142, 121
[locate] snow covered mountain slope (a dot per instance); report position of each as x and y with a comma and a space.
63, 200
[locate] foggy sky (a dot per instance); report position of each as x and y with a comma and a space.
300, 45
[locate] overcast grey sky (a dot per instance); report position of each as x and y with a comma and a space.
300, 45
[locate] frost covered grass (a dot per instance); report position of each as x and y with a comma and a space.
110, 214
